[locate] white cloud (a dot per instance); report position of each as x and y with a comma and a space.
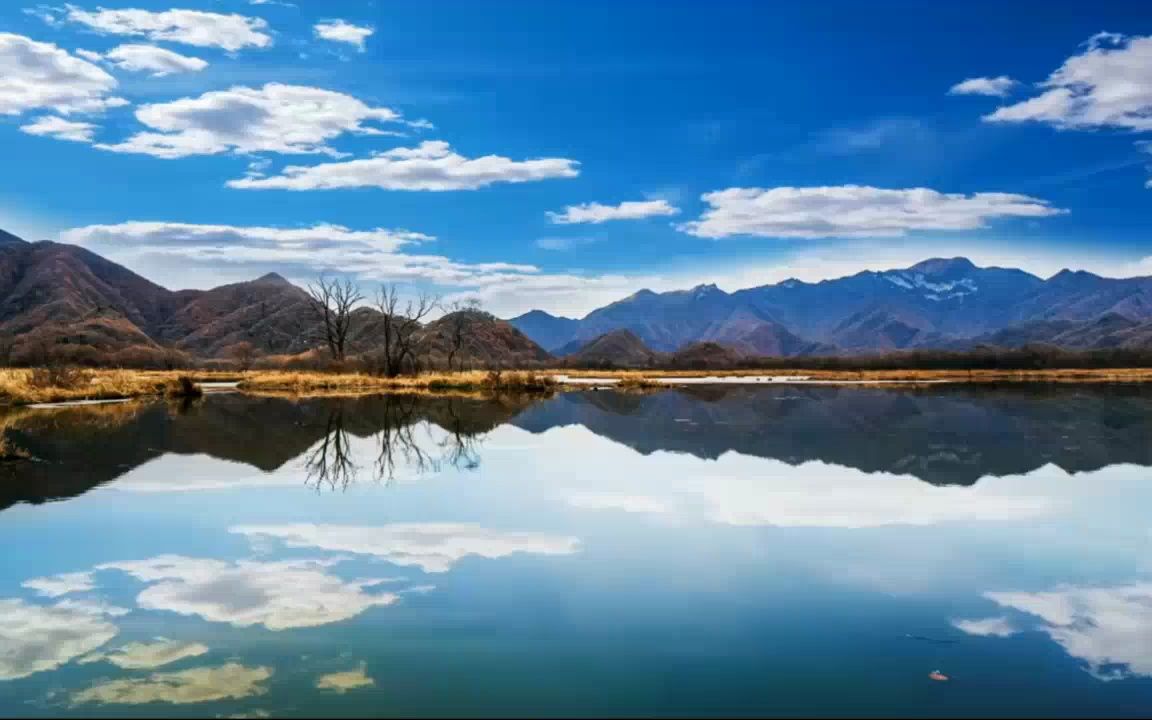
343, 32
433, 166
564, 243
34, 639
145, 656
854, 211
57, 127
597, 213
57, 585
275, 118
191, 27
231, 681
342, 682
151, 59
91, 606
372, 255
433, 547
986, 627
1108, 85
1103, 626
994, 86
277, 595
241, 239
617, 501
40, 75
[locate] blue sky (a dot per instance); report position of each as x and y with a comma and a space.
562, 155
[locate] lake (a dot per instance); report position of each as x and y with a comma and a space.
783, 550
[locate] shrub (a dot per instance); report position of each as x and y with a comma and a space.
183, 387
65, 377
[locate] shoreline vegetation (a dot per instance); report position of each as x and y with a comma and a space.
27, 386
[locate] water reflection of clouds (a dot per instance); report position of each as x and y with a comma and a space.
35, 638
277, 595
1109, 628
63, 584
231, 681
345, 681
145, 656
741, 490
433, 547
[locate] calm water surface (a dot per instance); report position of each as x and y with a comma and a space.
723, 551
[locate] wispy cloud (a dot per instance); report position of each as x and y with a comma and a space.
431, 166
596, 213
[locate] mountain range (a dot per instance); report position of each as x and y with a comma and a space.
945, 303
67, 297
64, 299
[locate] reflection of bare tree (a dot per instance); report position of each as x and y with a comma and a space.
408, 442
459, 448
330, 464
398, 441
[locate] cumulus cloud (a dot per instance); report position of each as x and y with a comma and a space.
39, 75
154, 60
1109, 628
986, 627
249, 593
343, 32
231, 681
854, 211
145, 656
275, 118
342, 682
35, 639
994, 86
57, 585
433, 547
1108, 85
597, 213
191, 27
57, 127
432, 165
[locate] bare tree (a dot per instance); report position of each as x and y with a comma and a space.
400, 322
333, 301
244, 353
461, 316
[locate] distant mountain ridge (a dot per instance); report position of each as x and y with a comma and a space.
82, 307
945, 303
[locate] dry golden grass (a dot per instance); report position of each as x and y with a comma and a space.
17, 387
468, 381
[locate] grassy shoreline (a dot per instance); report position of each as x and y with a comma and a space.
20, 387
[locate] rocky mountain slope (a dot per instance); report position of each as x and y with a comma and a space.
66, 301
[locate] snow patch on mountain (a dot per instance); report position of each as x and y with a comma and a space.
937, 291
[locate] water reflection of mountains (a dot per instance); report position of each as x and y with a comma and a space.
942, 435
76, 449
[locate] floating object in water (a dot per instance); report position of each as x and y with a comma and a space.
938, 676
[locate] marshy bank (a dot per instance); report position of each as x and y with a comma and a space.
33, 386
